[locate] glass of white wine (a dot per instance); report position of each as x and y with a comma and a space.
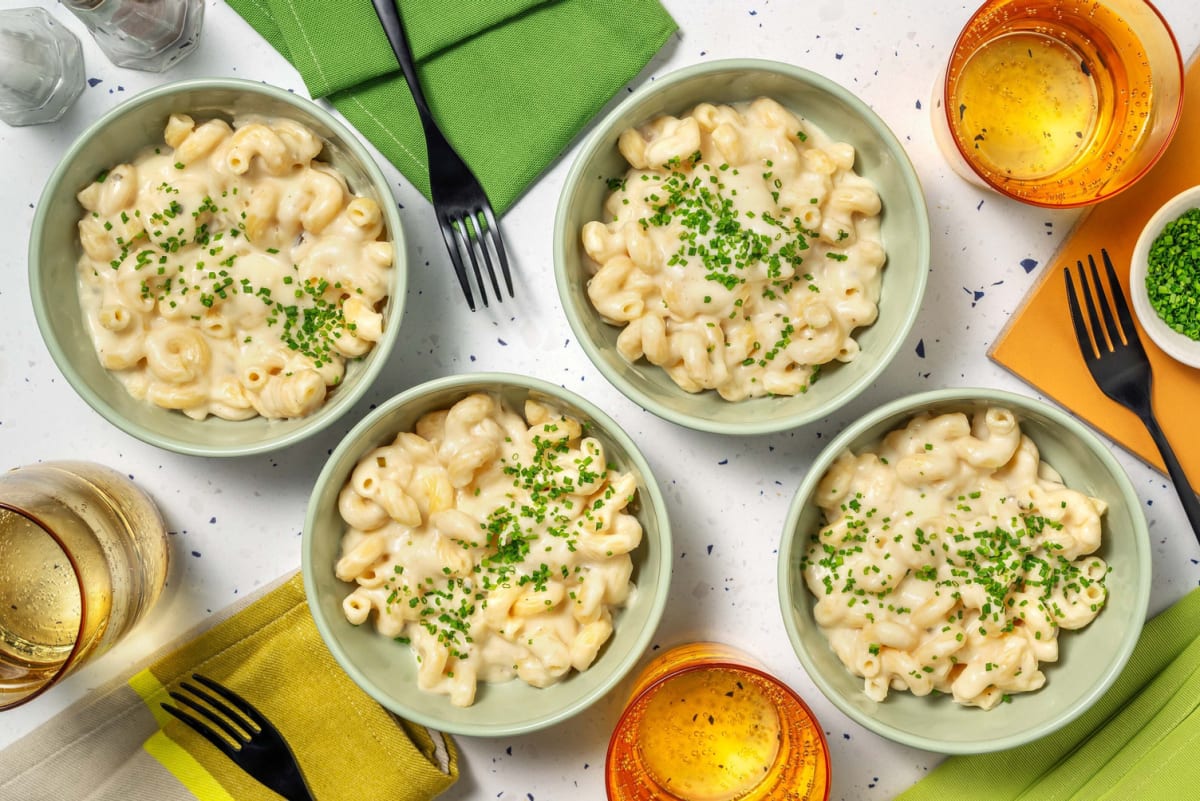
83, 556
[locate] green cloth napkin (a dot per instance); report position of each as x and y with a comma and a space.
119, 743
510, 82
1139, 742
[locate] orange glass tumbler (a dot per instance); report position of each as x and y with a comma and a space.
706, 723
1059, 103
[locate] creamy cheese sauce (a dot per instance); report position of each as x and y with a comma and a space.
740, 251
228, 272
950, 559
497, 546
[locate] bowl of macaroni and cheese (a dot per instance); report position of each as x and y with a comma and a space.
741, 246
486, 554
964, 570
217, 267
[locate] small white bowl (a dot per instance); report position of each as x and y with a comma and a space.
1173, 343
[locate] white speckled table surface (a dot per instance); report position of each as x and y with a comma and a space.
236, 523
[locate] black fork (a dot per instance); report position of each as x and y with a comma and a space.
241, 732
1118, 363
461, 206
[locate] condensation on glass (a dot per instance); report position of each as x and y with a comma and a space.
41, 67
151, 35
83, 556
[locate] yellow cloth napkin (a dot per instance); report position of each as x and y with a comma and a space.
1139, 742
270, 653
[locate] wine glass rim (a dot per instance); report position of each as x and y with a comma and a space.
71, 658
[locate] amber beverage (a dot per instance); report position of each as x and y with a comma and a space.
705, 723
83, 556
1059, 103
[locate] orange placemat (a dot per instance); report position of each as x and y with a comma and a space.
1039, 346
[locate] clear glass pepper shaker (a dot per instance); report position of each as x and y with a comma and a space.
41, 67
150, 35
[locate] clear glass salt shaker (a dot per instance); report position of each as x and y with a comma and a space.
151, 35
41, 67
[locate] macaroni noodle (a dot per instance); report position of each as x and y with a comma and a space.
495, 546
739, 252
951, 558
229, 273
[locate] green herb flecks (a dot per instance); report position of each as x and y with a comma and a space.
546, 485
717, 235
1004, 558
1173, 274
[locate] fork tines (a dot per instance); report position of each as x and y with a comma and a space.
467, 236
1107, 337
240, 732
238, 725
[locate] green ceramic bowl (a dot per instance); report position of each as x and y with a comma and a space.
881, 158
1090, 658
54, 250
386, 670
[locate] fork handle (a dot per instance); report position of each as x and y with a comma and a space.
1187, 495
393, 26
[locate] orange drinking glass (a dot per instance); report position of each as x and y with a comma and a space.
1059, 103
706, 723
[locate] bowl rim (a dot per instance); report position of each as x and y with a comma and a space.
1176, 345
593, 143
465, 381
909, 405
396, 300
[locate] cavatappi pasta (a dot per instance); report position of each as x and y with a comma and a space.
495, 545
228, 272
739, 252
951, 558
